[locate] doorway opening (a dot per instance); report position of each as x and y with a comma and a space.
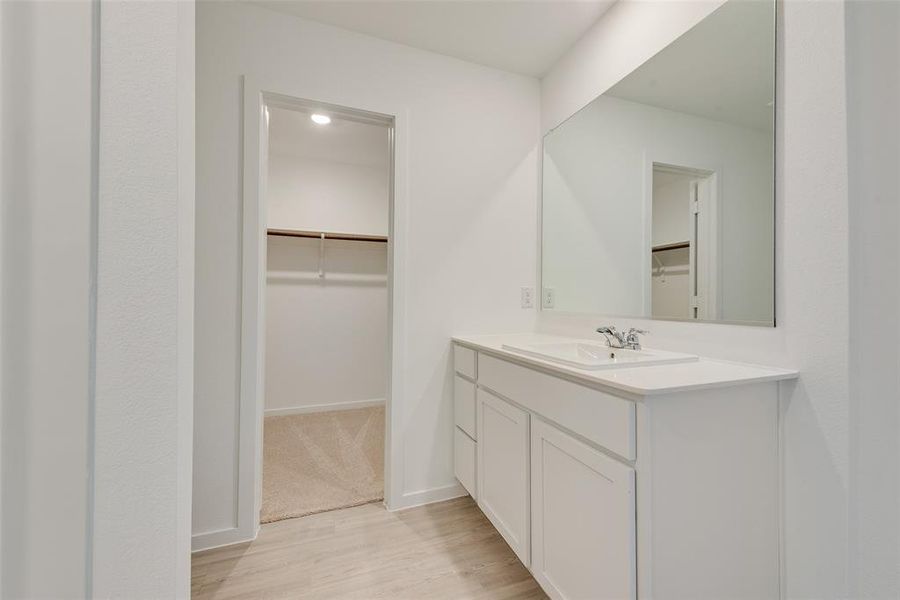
683, 280
326, 310
317, 305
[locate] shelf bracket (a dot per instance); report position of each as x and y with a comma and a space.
321, 255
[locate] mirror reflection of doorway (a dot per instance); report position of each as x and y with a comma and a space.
682, 274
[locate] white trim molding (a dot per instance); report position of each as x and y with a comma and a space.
234, 535
325, 407
429, 496
220, 538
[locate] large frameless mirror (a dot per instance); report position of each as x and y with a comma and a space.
658, 196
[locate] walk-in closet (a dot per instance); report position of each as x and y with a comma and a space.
326, 309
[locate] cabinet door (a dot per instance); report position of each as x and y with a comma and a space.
503, 470
583, 519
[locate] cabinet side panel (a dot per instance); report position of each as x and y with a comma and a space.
713, 508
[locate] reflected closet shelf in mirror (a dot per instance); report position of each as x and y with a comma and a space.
672, 246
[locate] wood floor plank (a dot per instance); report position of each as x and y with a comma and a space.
443, 551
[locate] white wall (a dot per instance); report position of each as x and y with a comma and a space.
326, 339
811, 260
334, 177
873, 88
670, 286
144, 349
671, 208
595, 235
47, 204
670, 289
324, 195
471, 183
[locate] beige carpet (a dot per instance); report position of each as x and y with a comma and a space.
322, 461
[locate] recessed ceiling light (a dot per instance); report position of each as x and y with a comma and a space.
320, 119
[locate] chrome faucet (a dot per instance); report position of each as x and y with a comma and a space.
628, 340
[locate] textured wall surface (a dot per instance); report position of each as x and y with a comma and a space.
144, 302
326, 338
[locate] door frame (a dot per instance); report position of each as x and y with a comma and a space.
257, 97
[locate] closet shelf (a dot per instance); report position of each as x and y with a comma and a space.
672, 246
352, 237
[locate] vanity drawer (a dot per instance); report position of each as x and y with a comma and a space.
600, 417
464, 449
464, 361
464, 405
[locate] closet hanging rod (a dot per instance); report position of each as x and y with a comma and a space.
352, 237
673, 246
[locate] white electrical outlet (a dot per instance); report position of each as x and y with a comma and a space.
547, 298
527, 297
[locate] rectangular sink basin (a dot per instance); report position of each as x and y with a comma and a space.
593, 355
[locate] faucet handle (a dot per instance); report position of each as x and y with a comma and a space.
632, 341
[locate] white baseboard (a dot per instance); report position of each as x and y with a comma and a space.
222, 537
314, 408
430, 496
234, 535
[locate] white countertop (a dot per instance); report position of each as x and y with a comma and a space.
640, 380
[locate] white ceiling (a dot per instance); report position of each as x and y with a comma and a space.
722, 69
521, 36
293, 134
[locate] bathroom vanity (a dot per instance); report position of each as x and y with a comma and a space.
633, 472
654, 480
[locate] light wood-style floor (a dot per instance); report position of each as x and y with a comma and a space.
444, 551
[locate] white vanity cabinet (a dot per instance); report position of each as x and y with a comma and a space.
504, 449
608, 490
